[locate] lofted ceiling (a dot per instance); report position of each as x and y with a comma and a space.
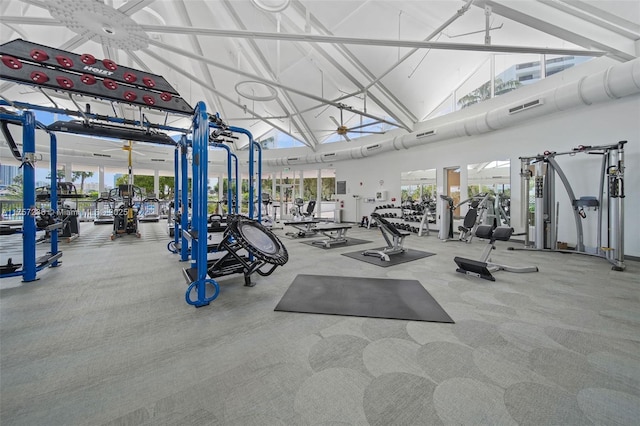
313, 68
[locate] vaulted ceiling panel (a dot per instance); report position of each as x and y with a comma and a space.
298, 65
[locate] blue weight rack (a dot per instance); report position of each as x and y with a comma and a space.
198, 232
30, 264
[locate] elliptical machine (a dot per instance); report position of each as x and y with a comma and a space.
267, 220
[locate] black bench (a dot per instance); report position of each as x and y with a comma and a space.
483, 268
392, 235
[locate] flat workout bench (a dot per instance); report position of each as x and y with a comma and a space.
335, 233
305, 227
483, 268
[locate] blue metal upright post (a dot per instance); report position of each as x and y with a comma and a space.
237, 178
251, 159
29, 196
259, 149
199, 180
184, 209
176, 200
54, 191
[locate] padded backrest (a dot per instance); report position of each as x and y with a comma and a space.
386, 224
484, 231
311, 207
502, 233
470, 218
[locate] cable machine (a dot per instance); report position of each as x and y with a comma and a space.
264, 251
44, 67
31, 265
609, 203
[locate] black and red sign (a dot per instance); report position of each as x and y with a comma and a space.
37, 65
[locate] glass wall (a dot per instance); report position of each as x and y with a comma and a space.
510, 71
493, 178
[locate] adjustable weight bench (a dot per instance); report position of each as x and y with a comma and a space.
392, 235
484, 267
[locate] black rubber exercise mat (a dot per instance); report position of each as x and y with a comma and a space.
362, 297
350, 242
395, 259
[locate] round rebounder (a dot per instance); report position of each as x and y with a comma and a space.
257, 240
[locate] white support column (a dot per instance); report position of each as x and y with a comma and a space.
156, 182
464, 188
319, 194
68, 175
101, 179
301, 184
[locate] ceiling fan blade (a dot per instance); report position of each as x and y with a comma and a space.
334, 120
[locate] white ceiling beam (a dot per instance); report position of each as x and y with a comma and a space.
404, 117
297, 120
204, 84
133, 6
631, 26
169, 48
576, 9
308, 38
183, 14
565, 27
27, 20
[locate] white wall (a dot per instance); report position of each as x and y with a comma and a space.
600, 124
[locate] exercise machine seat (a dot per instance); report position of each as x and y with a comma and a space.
483, 267
311, 206
389, 226
488, 232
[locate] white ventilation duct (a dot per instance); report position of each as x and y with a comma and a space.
615, 82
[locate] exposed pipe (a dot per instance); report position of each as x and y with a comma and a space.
615, 82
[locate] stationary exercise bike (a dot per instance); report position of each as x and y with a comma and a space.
268, 220
300, 215
125, 212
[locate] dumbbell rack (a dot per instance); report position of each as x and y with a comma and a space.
405, 219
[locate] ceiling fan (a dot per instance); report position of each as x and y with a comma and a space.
343, 129
127, 146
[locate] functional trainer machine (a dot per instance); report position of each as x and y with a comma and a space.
45, 67
609, 203
262, 247
392, 235
484, 267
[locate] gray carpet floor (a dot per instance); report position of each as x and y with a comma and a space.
107, 339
